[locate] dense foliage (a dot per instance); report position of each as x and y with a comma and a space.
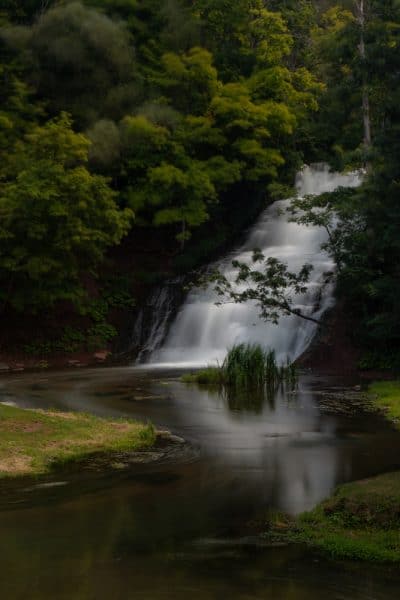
178, 119
366, 243
111, 108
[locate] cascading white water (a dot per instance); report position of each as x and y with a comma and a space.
202, 331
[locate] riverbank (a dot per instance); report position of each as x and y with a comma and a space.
36, 442
19, 362
361, 521
385, 396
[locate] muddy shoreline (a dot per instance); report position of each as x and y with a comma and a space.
98, 471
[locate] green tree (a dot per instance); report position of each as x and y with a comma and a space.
350, 50
190, 80
81, 61
56, 218
165, 185
23, 11
364, 224
17, 112
242, 33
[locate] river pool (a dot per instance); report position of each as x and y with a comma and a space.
188, 530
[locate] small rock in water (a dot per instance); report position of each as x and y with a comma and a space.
170, 437
45, 486
76, 363
73, 363
51, 484
119, 466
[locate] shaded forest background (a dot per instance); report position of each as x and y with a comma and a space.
139, 138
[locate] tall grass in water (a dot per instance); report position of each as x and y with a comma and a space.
246, 366
249, 365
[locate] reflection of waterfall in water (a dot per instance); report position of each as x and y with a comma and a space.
202, 331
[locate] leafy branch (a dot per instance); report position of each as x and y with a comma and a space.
335, 212
272, 288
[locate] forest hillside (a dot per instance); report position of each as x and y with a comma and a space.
139, 138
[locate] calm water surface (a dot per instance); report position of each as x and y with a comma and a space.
184, 531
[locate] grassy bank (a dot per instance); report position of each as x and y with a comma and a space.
33, 442
361, 521
385, 395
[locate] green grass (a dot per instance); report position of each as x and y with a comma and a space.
245, 366
208, 376
385, 395
361, 521
34, 442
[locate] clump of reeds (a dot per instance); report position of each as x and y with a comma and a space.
249, 365
246, 366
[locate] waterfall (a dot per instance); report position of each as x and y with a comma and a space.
154, 318
202, 331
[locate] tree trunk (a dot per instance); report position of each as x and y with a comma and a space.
366, 111
183, 234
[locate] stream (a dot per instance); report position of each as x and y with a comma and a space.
188, 530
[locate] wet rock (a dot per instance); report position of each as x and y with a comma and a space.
76, 363
46, 486
347, 401
4, 367
18, 367
170, 437
102, 355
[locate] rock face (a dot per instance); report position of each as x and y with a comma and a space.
332, 350
151, 323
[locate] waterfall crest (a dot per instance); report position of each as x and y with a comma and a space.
202, 331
